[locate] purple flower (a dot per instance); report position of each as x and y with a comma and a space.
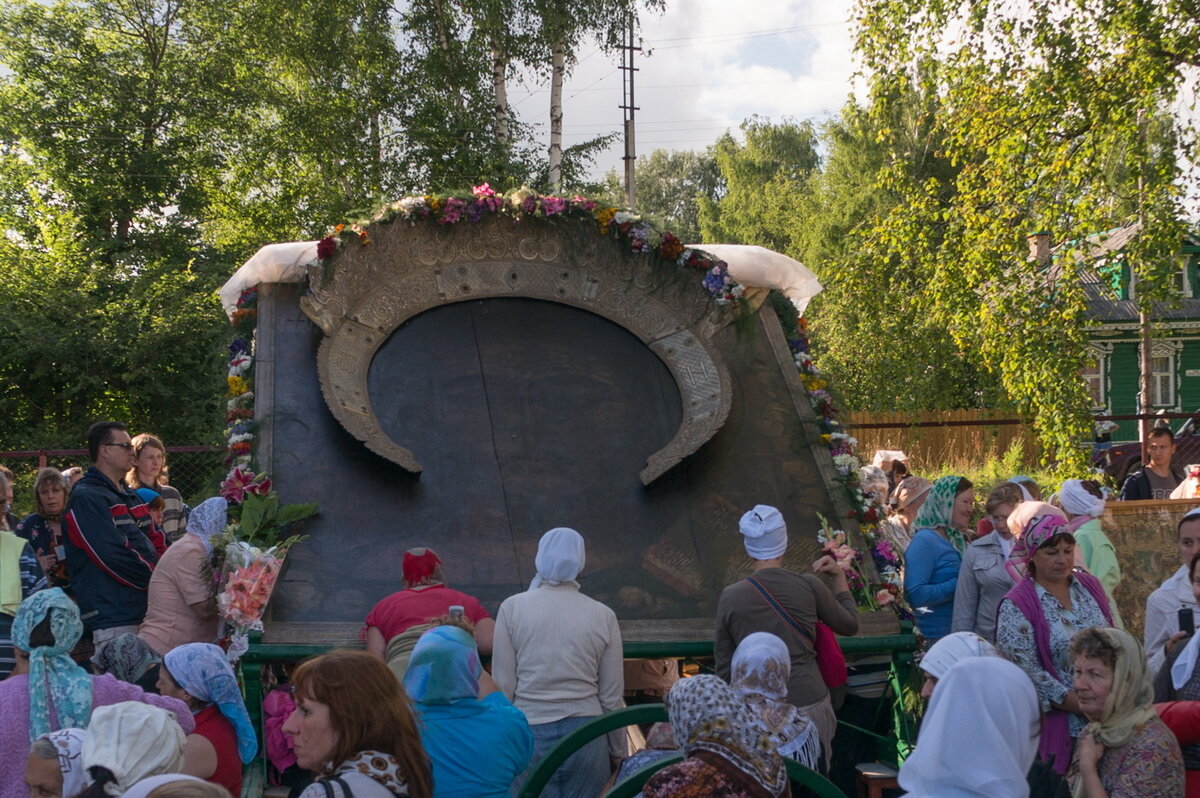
475, 209
529, 205
552, 206
238, 346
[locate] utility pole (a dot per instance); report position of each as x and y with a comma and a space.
628, 52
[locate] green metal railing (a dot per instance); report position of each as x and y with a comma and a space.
892, 749
646, 713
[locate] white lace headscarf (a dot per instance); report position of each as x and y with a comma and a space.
207, 519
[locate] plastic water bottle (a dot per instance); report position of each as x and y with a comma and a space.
456, 611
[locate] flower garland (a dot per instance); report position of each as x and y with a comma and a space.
641, 235
239, 413
888, 562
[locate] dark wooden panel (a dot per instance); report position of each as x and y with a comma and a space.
528, 415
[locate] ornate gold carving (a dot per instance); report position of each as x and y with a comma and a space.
409, 268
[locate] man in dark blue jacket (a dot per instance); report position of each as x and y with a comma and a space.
1158, 477
110, 553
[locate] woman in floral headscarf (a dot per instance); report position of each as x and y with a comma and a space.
728, 754
760, 670
1125, 751
933, 558
181, 606
1036, 622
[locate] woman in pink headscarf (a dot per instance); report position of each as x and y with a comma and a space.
394, 625
1039, 616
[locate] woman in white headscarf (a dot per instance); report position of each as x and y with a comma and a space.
128, 742
55, 765
181, 605
557, 656
947, 652
760, 670
990, 702
1083, 502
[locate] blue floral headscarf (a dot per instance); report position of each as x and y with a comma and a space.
56, 683
203, 670
444, 667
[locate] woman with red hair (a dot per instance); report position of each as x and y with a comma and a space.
394, 625
354, 727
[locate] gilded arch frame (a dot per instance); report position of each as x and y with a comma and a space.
368, 291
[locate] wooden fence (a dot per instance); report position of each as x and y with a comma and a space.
959, 440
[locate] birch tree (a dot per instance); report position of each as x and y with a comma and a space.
1036, 101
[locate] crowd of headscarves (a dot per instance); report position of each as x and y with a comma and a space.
99, 735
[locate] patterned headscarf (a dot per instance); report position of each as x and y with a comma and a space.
204, 671
55, 680
707, 715
760, 669
68, 744
126, 657
1130, 705
379, 767
444, 667
1033, 532
208, 519
938, 511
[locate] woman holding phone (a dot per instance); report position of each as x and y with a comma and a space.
1179, 677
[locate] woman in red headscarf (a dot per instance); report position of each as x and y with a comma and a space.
393, 626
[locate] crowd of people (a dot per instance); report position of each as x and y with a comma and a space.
114, 685
1032, 584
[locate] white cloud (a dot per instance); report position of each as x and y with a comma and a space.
711, 65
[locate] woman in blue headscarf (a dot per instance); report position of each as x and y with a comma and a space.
477, 744
199, 675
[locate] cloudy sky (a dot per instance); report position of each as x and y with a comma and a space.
708, 65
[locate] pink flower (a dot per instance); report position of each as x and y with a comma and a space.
484, 190
884, 597
452, 210
552, 206
235, 485
261, 488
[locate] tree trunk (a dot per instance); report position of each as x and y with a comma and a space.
558, 70
500, 91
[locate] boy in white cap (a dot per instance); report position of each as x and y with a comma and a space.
776, 600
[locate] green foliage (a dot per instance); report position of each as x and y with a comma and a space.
669, 188
764, 180
870, 330
146, 148
1034, 107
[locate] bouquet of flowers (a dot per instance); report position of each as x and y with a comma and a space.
250, 553
888, 591
833, 543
